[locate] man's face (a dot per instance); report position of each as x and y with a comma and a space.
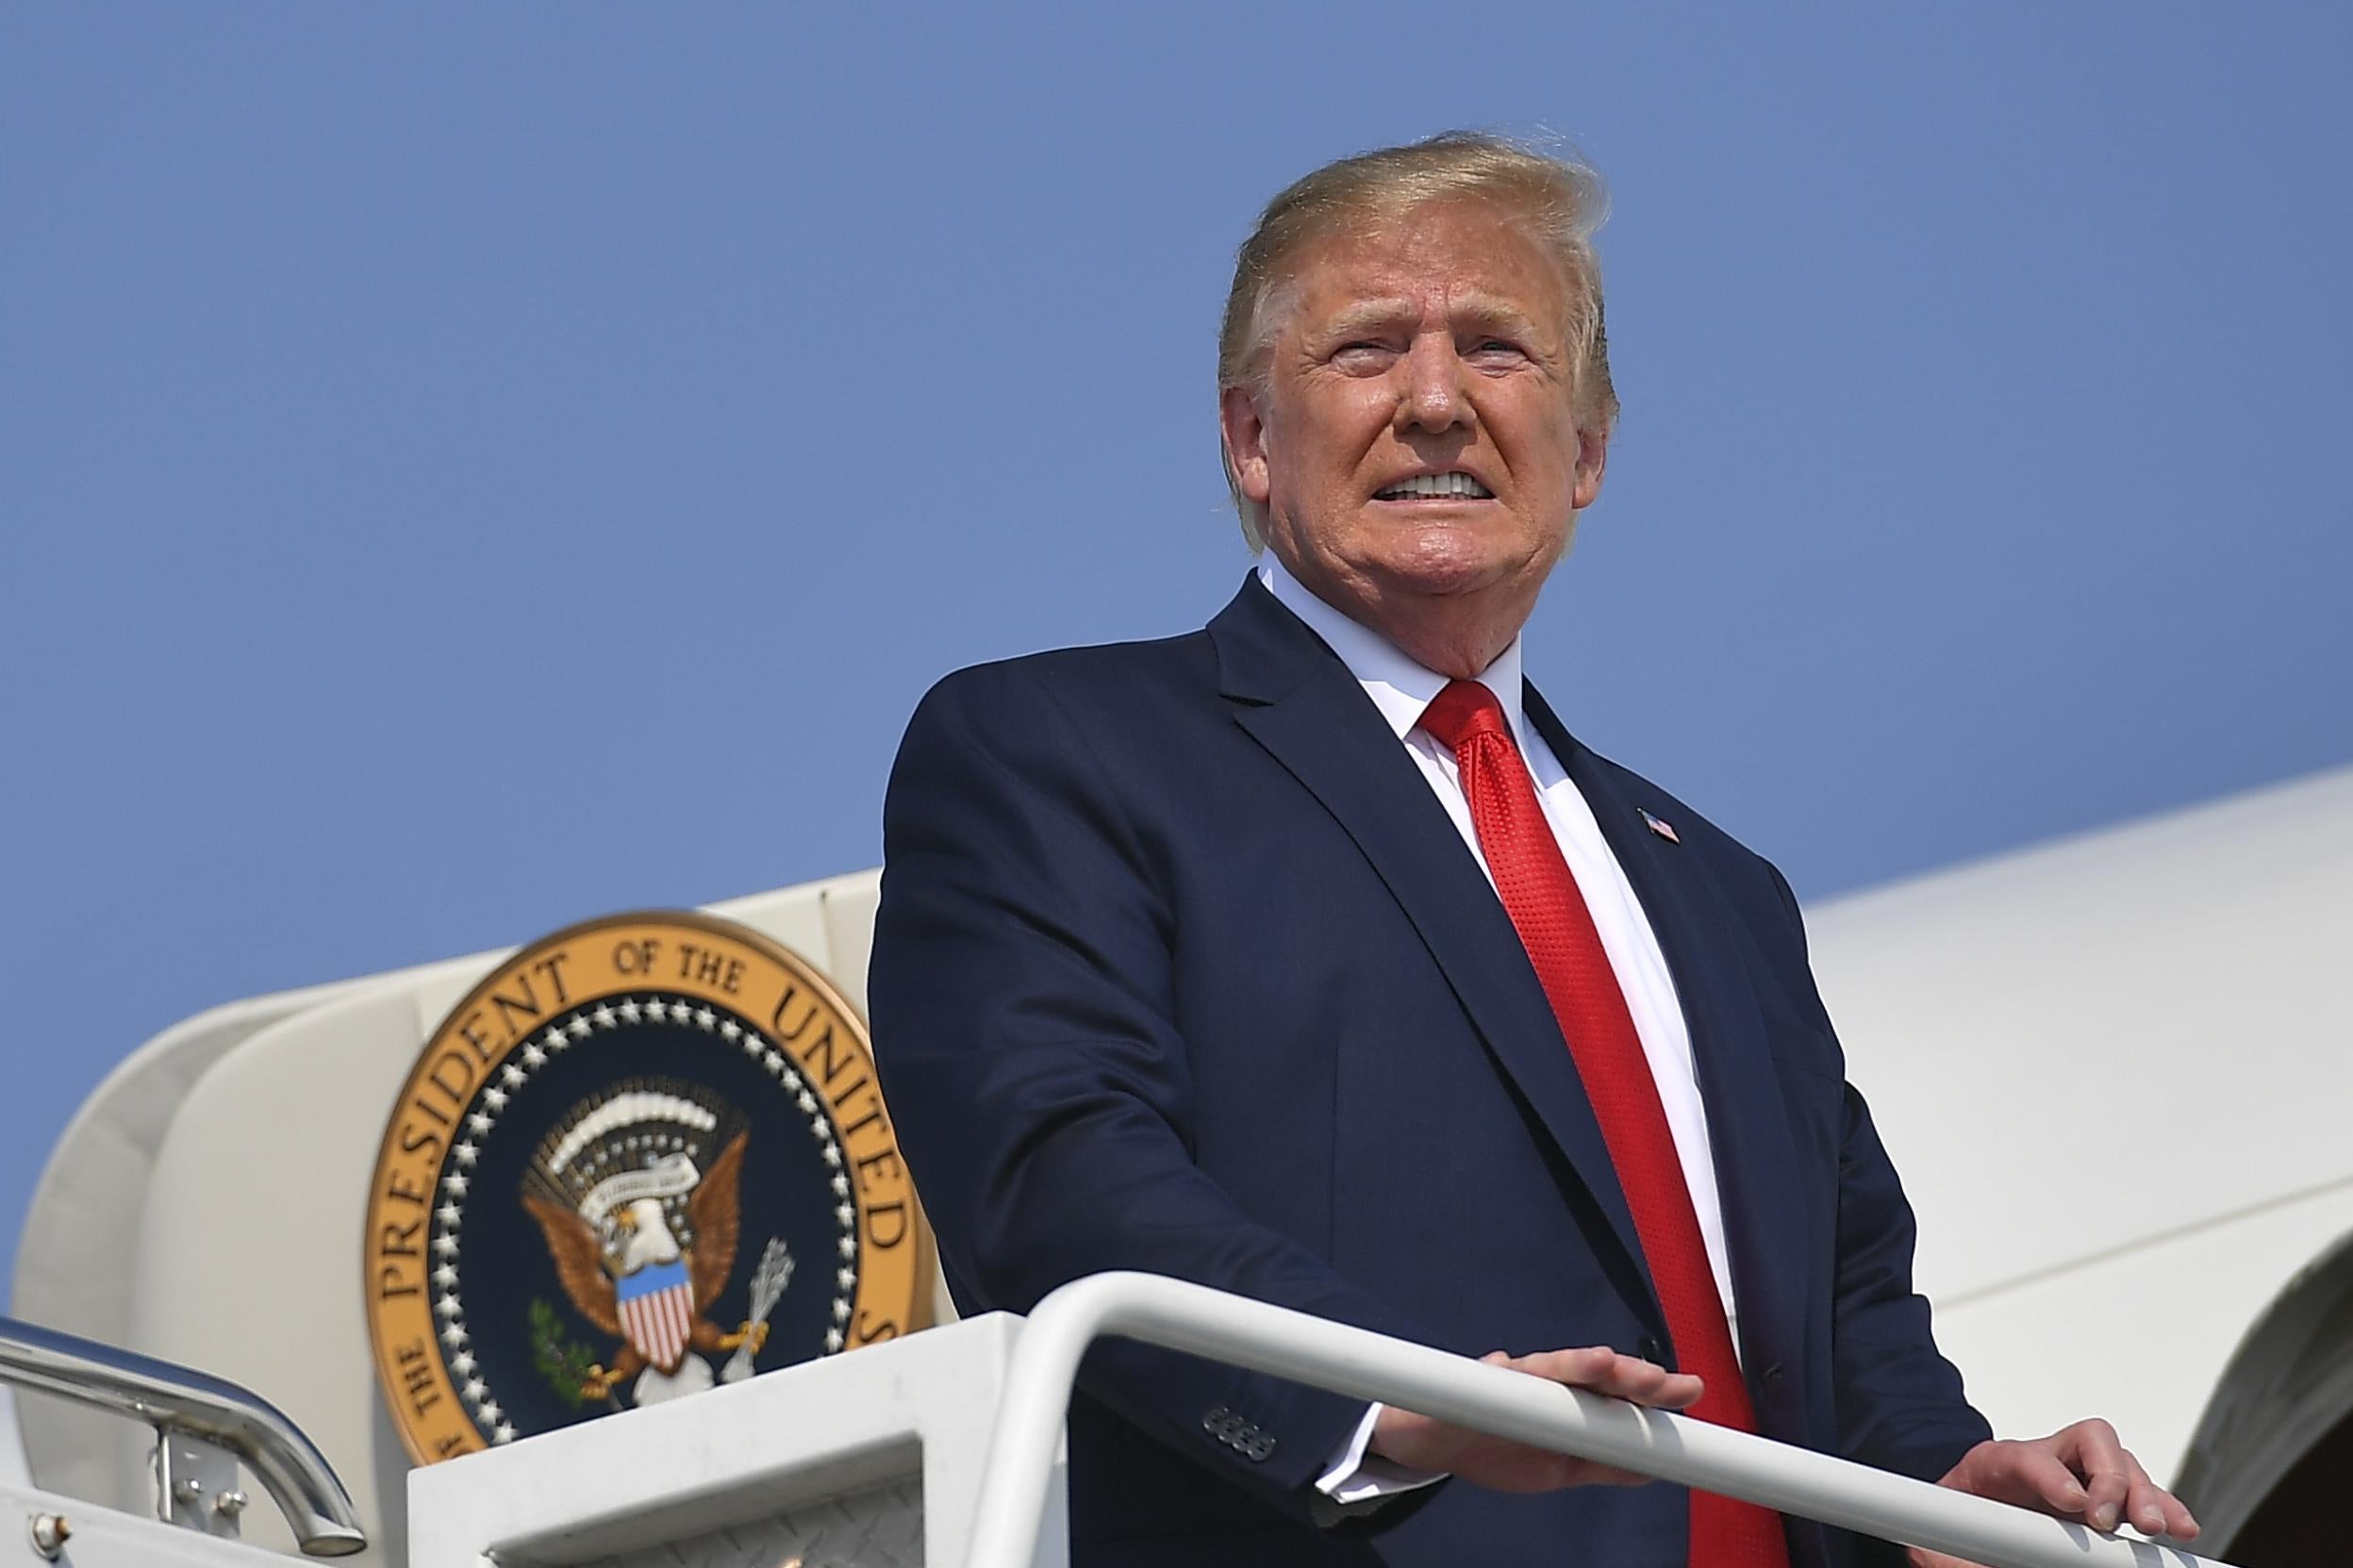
1417, 444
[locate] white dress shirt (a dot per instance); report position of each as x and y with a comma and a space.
1402, 690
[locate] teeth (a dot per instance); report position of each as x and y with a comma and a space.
1427, 485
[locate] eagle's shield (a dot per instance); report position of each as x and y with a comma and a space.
658, 1311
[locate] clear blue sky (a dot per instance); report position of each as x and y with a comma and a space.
466, 468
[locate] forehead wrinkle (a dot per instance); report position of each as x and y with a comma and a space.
1471, 307
1484, 309
1360, 314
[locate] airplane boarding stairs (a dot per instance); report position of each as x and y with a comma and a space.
941, 1448
193, 1206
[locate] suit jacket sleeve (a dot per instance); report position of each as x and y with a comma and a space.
1900, 1405
1022, 997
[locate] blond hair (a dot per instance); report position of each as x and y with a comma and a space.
1562, 202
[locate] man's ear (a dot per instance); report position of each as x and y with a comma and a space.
1592, 455
1245, 442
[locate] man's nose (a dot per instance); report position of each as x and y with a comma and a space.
1435, 396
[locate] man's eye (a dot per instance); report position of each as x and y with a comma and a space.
1363, 353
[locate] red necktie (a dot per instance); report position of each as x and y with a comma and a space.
1541, 896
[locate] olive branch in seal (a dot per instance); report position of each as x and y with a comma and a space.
566, 1363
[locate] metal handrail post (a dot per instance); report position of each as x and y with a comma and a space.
177, 1400
1184, 1316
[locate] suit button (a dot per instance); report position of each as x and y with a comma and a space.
1772, 1374
1651, 1350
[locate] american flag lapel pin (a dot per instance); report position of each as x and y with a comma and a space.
1661, 826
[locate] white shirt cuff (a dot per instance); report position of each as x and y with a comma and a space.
1357, 1477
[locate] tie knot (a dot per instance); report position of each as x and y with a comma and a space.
1464, 710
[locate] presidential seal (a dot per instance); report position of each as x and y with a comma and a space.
645, 1157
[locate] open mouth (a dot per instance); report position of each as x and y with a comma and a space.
1456, 486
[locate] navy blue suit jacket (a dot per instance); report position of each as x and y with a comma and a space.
1181, 966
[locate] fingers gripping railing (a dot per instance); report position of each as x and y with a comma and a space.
211, 1414
1354, 1361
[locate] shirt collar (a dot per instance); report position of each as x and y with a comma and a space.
1398, 686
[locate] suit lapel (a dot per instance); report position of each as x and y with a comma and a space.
1296, 699
1747, 1129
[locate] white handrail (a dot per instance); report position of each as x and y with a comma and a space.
1194, 1319
180, 1400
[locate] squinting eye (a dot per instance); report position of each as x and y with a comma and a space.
1364, 354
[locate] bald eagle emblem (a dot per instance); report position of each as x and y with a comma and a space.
638, 1194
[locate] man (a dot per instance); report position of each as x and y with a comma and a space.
1311, 958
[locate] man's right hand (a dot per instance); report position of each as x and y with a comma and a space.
1424, 1442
